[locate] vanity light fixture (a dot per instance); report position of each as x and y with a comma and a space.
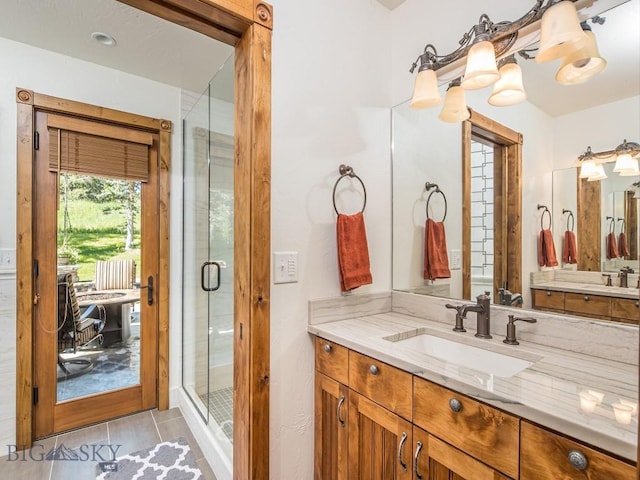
508, 90
455, 106
485, 43
625, 155
583, 63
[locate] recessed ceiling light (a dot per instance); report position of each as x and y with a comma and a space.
104, 39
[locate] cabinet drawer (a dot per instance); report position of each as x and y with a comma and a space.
382, 383
545, 456
548, 300
483, 432
588, 305
627, 309
332, 360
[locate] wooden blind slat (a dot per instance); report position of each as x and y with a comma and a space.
99, 129
86, 154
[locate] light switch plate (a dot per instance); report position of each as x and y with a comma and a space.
285, 267
7, 258
455, 259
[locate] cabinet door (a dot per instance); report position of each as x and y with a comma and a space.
379, 442
331, 429
437, 460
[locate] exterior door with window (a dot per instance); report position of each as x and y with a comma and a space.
95, 322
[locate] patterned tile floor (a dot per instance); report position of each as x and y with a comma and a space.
220, 404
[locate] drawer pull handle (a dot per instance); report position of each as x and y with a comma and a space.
548, 294
586, 298
578, 460
400, 445
340, 403
327, 348
415, 460
373, 369
455, 405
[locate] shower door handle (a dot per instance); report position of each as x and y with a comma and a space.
149, 287
203, 271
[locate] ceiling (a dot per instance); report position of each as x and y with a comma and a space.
147, 46
153, 48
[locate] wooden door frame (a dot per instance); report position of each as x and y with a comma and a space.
28, 102
507, 211
246, 25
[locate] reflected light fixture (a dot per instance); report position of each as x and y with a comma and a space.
508, 90
625, 155
455, 104
583, 63
486, 42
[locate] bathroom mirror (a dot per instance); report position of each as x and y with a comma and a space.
557, 124
616, 200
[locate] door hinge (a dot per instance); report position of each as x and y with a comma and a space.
35, 395
36, 140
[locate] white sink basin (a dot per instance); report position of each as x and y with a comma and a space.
464, 355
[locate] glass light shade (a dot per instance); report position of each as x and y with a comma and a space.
425, 91
508, 90
581, 64
632, 171
455, 106
624, 162
598, 173
481, 70
587, 168
560, 32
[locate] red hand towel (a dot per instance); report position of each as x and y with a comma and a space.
546, 250
436, 260
353, 252
623, 248
569, 250
612, 248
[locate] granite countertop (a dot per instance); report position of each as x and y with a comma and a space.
546, 392
595, 289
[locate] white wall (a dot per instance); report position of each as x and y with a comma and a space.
57, 75
331, 99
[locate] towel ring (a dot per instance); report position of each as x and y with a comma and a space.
570, 217
546, 210
428, 186
623, 229
612, 224
347, 171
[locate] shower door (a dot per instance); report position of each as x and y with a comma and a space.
208, 242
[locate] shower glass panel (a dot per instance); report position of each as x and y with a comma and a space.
208, 270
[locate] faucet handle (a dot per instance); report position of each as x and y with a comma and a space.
459, 327
608, 275
510, 339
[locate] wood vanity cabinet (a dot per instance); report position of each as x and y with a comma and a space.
626, 310
601, 307
548, 300
547, 456
587, 305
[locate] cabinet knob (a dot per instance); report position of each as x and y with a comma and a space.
637, 304
373, 369
548, 294
586, 298
327, 348
455, 405
578, 460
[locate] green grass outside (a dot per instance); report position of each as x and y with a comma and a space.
98, 233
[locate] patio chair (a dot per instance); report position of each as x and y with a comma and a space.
115, 274
76, 328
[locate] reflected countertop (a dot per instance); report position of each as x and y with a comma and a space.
546, 392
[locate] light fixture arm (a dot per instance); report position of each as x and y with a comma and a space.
502, 34
632, 148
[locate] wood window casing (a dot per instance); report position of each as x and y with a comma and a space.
246, 25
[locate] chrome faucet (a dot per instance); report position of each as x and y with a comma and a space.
482, 307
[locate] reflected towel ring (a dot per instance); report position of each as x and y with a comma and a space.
428, 186
546, 210
570, 217
347, 171
623, 229
612, 224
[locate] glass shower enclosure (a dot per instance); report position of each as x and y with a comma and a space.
208, 270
